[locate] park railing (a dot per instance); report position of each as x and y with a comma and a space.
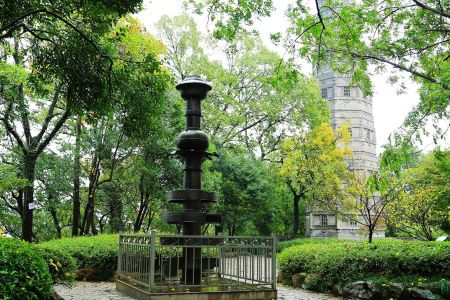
178, 263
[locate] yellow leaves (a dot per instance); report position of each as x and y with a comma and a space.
56, 266
313, 162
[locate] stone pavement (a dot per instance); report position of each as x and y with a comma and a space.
82, 290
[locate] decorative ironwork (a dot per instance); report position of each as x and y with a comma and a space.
157, 263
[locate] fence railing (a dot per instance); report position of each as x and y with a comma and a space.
174, 262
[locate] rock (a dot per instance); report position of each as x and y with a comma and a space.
298, 279
434, 287
416, 293
392, 290
336, 289
367, 290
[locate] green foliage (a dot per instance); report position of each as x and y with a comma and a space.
24, 272
305, 241
61, 265
91, 252
444, 286
337, 262
250, 195
9, 179
421, 206
230, 17
349, 37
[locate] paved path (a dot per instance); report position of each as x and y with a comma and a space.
107, 291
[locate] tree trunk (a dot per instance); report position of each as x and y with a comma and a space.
55, 219
296, 215
94, 174
370, 234
28, 197
76, 215
143, 206
115, 209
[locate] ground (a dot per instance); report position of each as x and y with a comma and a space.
107, 291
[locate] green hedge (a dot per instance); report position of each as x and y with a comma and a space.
335, 262
61, 265
97, 255
24, 273
303, 241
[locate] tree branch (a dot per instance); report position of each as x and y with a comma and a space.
424, 6
55, 130
49, 116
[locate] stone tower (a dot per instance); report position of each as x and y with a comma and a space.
347, 104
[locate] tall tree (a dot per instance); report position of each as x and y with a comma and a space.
422, 207
313, 165
49, 65
410, 38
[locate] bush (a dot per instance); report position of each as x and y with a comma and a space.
336, 262
95, 256
303, 241
61, 265
24, 272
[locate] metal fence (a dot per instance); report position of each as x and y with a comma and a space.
174, 262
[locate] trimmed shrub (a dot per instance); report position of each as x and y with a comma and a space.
96, 256
24, 273
62, 266
331, 263
304, 241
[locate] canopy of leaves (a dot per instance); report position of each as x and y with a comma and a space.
410, 38
314, 163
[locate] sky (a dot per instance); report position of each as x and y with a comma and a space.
389, 108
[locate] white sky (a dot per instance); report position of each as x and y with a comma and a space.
389, 109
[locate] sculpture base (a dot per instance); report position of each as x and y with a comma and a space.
223, 291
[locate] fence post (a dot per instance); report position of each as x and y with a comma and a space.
119, 262
219, 256
274, 261
152, 260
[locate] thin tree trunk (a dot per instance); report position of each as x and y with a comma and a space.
94, 174
143, 206
28, 197
370, 234
55, 219
76, 214
296, 215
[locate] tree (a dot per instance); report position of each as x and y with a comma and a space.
363, 202
250, 195
411, 213
423, 206
53, 191
256, 99
11, 186
49, 72
313, 165
411, 38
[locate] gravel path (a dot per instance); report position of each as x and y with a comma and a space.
107, 291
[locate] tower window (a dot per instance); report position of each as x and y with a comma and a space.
324, 220
325, 93
347, 91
